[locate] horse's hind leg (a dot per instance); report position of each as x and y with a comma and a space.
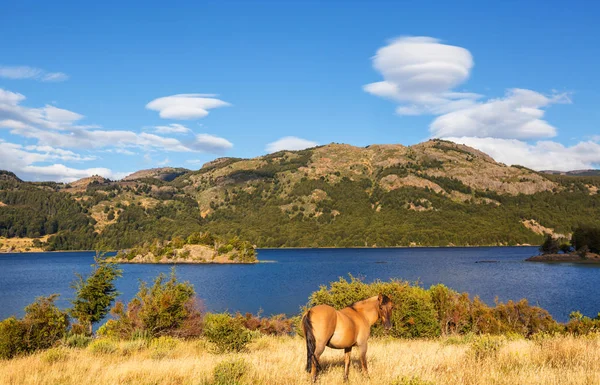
347, 362
319, 349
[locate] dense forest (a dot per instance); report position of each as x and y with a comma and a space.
432, 194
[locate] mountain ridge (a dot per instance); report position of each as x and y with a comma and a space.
432, 193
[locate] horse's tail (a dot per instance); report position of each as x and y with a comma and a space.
311, 343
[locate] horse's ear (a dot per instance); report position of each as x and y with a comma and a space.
380, 298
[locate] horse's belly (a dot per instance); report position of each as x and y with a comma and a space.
341, 340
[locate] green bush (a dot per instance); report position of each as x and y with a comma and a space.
227, 333
486, 346
168, 308
53, 355
44, 323
42, 326
581, 325
12, 333
78, 341
229, 372
439, 310
163, 346
103, 346
133, 346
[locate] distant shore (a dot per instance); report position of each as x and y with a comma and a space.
20, 251
589, 258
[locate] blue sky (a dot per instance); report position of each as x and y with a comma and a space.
96, 88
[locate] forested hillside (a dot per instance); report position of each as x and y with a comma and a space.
435, 193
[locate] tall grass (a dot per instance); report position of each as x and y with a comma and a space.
280, 360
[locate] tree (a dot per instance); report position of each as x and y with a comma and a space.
587, 236
95, 294
550, 245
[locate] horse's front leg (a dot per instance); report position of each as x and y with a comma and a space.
347, 362
362, 349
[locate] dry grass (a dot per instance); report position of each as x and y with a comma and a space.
15, 245
281, 360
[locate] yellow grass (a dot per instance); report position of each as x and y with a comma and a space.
281, 360
20, 244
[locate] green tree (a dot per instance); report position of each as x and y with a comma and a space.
95, 294
550, 245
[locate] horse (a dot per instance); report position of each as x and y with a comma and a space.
343, 329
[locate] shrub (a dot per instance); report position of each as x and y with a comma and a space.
276, 325
162, 346
102, 346
486, 347
168, 308
134, 346
229, 372
53, 355
580, 325
227, 333
439, 310
452, 309
12, 334
77, 341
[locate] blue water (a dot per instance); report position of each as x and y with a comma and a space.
285, 284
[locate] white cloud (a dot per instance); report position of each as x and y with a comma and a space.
172, 128
420, 73
185, 106
542, 155
290, 143
22, 160
25, 72
9, 97
518, 115
53, 126
210, 143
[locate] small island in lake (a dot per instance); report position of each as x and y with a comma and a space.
584, 247
197, 248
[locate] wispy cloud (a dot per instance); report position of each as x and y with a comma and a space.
25, 162
26, 72
185, 106
52, 126
292, 143
172, 128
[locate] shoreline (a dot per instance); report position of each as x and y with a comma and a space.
289, 248
589, 259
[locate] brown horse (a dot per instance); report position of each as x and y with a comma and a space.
343, 329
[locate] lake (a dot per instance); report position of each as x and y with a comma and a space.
283, 285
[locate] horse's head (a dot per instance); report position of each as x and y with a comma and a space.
384, 309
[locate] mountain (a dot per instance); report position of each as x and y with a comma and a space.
164, 173
434, 193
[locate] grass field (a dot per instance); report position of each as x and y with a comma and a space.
281, 360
